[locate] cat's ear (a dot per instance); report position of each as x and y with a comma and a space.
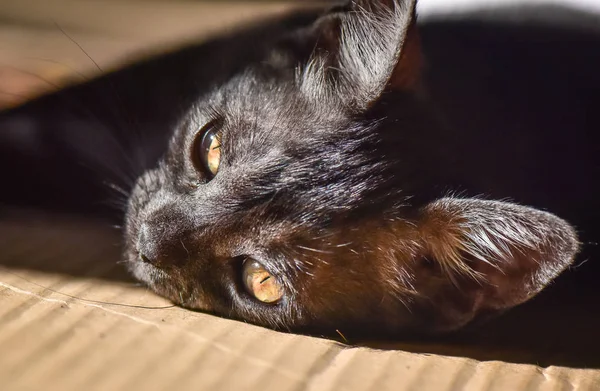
489, 255
361, 51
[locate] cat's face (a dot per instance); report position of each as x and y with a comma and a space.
290, 198
296, 183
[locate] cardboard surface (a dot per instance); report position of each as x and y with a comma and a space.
49, 44
72, 319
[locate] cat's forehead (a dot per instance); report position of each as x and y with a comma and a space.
279, 148
268, 102
261, 119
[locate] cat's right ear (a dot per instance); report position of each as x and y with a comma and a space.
361, 51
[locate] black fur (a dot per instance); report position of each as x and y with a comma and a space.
363, 188
329, 177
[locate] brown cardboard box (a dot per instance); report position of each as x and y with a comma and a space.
71, 318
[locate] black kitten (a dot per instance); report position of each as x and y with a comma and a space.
317, 189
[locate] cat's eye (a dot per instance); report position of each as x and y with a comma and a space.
208, 150
260, 283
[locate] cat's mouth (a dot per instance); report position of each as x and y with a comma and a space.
157, 279
163, 284
147, 273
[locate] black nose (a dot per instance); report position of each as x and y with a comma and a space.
160, 245
148, 247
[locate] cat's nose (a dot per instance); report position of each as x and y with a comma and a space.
148, 248
160, 245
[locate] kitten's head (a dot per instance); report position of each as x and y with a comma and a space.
293, 197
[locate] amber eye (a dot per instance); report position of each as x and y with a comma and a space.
208, 150
260, 283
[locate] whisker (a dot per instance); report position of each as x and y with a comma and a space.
79, 46
116, 188
119, 204
90, 300
138, 164
122, 175
314, 250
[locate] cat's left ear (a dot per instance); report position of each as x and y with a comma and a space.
362, 51
487, 256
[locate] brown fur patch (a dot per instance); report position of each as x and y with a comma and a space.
444, 241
